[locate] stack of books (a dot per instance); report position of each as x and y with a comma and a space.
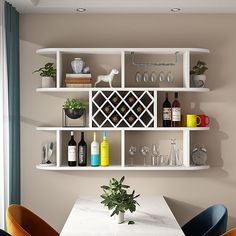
78, 80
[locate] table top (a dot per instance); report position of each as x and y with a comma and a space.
89, 217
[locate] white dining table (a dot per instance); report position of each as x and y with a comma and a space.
89, 217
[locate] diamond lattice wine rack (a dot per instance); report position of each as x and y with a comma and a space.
123, 109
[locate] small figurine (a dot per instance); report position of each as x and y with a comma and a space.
107, 78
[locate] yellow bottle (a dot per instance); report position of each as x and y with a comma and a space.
104, 151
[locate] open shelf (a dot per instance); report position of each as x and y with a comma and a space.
44, 128
125, 168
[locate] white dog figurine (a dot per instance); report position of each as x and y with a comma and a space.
107, 78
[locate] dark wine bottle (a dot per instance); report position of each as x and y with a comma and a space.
139, 109
176, 112
107, 109
115, 118
82, 151
115, 100
72, 151
131, 118
123, 109
166, 112
130, 100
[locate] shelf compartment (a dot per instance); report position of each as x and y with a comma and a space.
114, 146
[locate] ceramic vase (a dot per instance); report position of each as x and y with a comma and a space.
120, 217
77, 65
199, 80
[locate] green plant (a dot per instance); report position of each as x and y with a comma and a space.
199, 69
74, 103
116, 198
47, 71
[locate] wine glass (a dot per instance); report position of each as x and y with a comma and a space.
170, 77
161, 76
144, 151
153, 77
155, 154
145, 77
132, 152
138, 77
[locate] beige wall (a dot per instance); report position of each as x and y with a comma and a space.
52, 194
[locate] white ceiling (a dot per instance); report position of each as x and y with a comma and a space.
124, 6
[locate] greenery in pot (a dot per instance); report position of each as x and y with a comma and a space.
199, 69
74, 103
116, 197
47, 71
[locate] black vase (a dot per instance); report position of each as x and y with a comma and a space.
74, 113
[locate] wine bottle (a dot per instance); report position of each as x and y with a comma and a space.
139, 109
104, 151
107, 109
82, 151
115, 100
115, 118
176, 112
94, 151
130, 100
166, 112
123, 109
131, 118
72, 150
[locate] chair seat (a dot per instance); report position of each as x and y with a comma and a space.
210, 222
231, 232
23, 222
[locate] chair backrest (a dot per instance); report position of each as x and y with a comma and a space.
3, 233
210, 222
23, 222
231, 232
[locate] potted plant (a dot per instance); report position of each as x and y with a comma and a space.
197, 72
48, 74
118, 200
74, 108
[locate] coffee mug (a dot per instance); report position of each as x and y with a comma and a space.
192, 120
204, 120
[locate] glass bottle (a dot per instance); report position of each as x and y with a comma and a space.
173, 153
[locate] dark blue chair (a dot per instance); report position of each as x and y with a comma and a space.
210, 222
3, 233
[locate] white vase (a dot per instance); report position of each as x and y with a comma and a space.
77, 65
120, 217
199, 80
48, 82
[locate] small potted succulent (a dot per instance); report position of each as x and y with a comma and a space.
48, 75
198, 76
74, 108
118, 200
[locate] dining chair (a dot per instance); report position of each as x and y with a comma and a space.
210, 222
23, 222
231, 232
3, 233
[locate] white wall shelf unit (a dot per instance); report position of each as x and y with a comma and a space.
148, 118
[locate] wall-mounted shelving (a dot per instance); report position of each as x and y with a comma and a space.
146, 97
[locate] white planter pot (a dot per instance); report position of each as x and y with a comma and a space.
199, 80
120, 217
48, 82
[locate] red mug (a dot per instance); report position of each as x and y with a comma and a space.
204, 120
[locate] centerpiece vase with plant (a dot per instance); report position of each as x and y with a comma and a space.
48, 75
74, 108
118, 200
198, 76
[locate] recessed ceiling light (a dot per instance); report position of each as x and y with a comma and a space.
175, 9
80, 9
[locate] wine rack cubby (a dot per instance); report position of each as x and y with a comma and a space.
123, 108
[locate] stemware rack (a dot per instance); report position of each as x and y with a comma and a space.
104, 114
